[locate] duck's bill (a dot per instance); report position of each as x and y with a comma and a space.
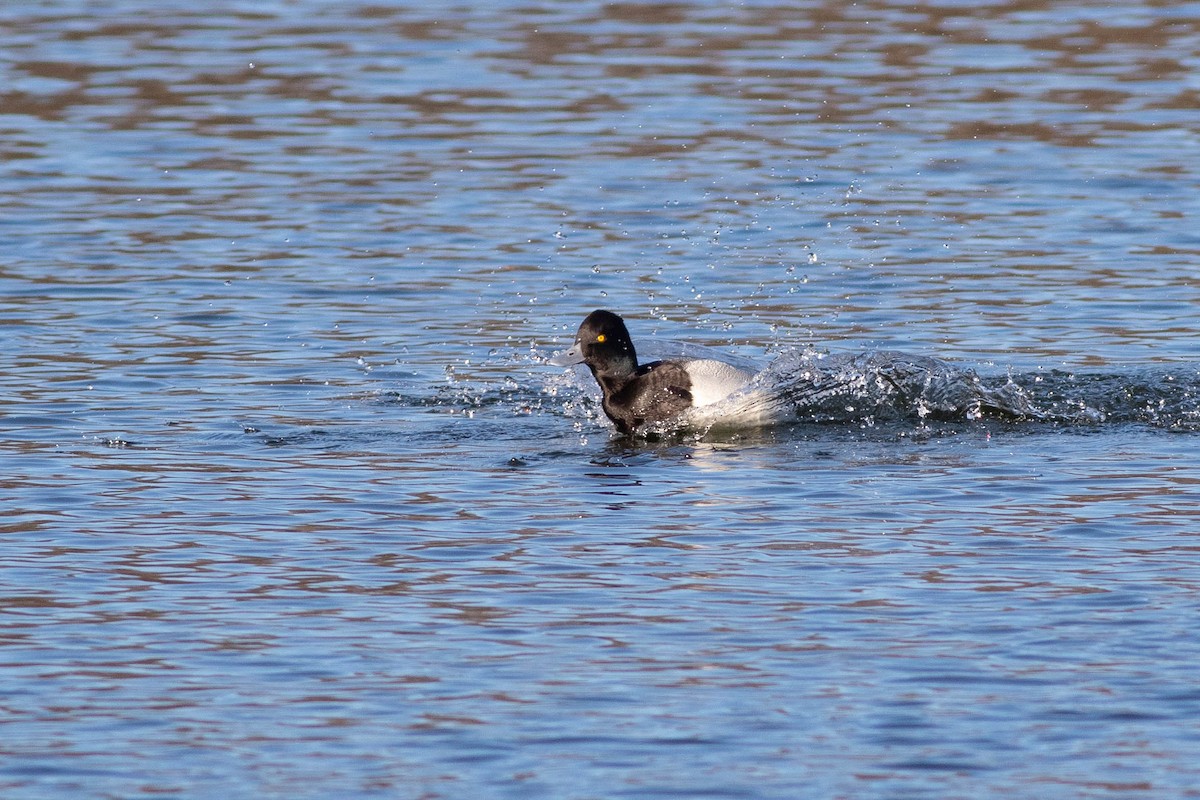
568, 357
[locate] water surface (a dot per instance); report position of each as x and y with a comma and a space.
294, 507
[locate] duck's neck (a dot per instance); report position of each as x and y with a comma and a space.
615, 375
612, 384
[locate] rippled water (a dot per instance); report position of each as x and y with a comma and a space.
295, 508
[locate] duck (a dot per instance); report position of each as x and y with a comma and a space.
635, 396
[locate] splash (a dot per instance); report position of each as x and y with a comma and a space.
884, 387
883, 390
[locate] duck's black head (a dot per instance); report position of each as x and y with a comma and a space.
603, 344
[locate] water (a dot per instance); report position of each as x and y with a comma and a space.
294, 507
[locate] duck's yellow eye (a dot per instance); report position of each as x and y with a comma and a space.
601, 338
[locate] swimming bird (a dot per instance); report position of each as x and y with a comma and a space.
637, 395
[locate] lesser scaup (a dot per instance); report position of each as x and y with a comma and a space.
656, 392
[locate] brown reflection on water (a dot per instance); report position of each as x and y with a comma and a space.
958, 73
896, 45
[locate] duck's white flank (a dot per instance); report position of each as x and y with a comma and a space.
713, 381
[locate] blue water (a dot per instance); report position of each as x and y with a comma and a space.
294, 506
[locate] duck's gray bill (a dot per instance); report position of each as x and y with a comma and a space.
568, 357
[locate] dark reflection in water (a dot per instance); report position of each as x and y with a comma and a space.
293, 508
